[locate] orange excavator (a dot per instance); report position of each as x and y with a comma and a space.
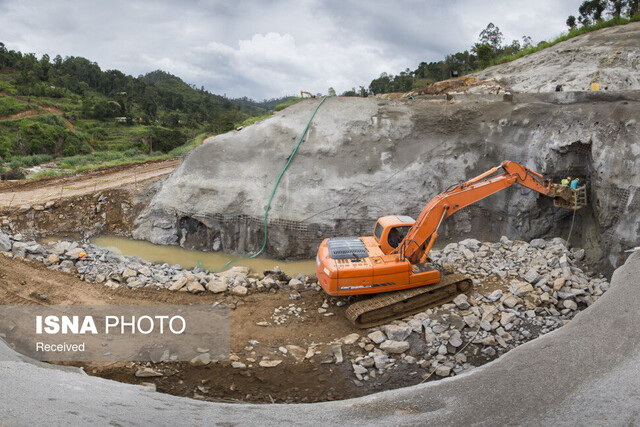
395, 262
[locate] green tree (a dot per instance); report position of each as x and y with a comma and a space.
331, 92
571, 22
380, 85
633, 6
591, 11
615, 7
491, 36
484, 53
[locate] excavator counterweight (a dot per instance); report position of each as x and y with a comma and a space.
395, 263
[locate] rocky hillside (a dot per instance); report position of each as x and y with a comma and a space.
610, 56
365, 158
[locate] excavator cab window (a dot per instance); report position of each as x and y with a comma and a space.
397, 235
378, 231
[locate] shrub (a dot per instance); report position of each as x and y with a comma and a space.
10, 106
293, 100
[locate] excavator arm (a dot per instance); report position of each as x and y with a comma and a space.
422, 235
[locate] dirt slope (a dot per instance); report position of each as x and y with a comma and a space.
40, 191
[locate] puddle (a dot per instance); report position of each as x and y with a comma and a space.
212, 261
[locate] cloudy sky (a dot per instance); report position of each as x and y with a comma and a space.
267, 48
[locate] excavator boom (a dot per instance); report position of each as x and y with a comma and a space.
450, 201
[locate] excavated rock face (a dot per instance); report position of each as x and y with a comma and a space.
364, 158
609, 56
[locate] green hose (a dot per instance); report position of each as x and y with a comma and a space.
275, 187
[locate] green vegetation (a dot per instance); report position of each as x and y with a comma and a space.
10, 106
85, 116
189, 145
490, 50
256, 119
288, 103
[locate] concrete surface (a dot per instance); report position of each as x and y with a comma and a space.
585, 373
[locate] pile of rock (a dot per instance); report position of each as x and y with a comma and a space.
537, 287
98, 265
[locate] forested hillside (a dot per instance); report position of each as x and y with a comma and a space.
61, 107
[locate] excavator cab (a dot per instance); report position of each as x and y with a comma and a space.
391, 230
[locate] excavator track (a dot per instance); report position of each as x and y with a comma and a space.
395, 305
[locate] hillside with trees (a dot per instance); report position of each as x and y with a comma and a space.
491, 49
62, 107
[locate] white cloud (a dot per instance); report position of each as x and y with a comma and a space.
267, 49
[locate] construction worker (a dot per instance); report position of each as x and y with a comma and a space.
565, 182
574, 183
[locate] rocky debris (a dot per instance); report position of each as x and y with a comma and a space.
534, 288
98, 265
522, 291
283, 314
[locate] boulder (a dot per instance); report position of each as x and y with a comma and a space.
52, 259
178, 284
201, 359
297, 352
239, 291
462, 301
377, 337
507, 317
195, 287
5, 242
395, 347
350, 339
396, 332
522, 288
128, 272
443, 371
296, 284
217, 285
74, 254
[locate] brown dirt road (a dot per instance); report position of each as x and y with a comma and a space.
40, 191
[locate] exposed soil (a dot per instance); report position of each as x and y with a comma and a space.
40, 191
29, 282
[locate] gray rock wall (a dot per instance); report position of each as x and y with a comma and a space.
364, 158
